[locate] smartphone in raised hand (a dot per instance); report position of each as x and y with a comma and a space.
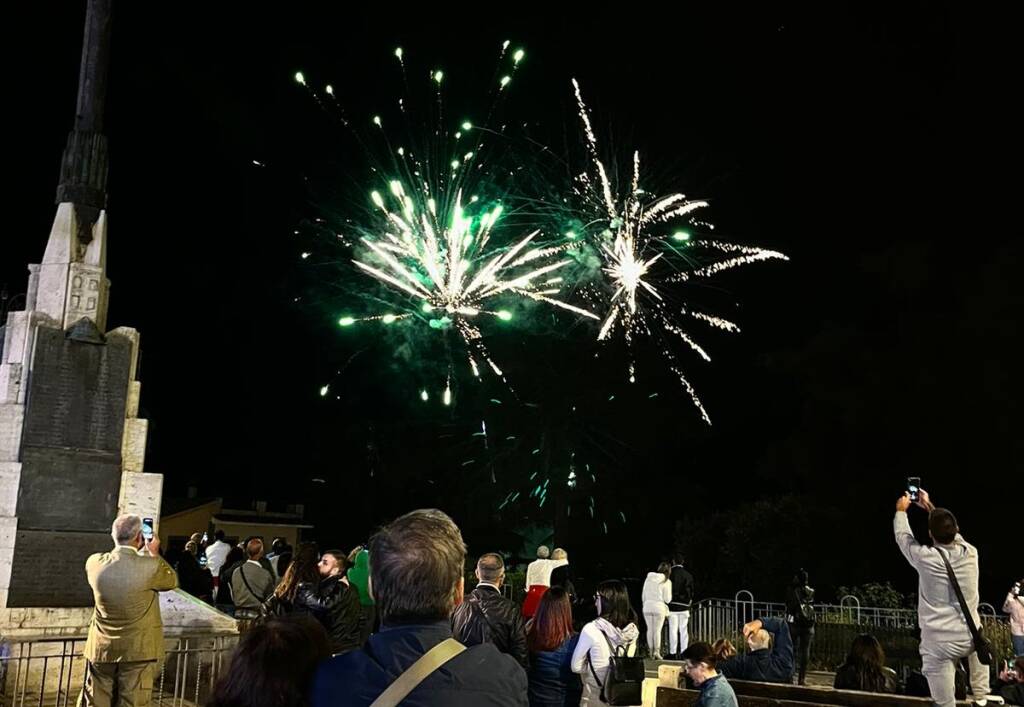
147, 529
914, 487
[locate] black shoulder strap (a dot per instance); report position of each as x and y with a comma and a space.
596, 679
241, 571
960, 596
478, 605
612, 654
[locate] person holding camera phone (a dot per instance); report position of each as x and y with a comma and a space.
126, 642
945, 636
1010, 683
1014, 606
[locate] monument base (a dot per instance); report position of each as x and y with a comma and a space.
41, 651
182, 614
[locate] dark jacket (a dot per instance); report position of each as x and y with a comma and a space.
716, 692
192, 578
336, 606
487, 617
855, 677
800, 606
1011, 692
562, 577
480, 675
773, 664
682, 589
552, 681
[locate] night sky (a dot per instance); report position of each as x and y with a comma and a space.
862, 141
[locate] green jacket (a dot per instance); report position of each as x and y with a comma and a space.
359, 576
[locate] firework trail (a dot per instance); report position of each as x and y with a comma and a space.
644, 258
435, 239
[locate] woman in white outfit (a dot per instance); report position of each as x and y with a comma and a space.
657, 593
615, 627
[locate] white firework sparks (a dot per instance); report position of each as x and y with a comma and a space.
447, 259
632, 248
445, 263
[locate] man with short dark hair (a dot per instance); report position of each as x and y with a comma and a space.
216, 554
945, 636
416, 580
333, 602
679, 607
486, 616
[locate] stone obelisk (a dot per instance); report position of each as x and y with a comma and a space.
71, 443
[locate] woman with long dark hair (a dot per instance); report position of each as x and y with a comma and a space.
614, 630
273, 665
865, 668
301, 568
551, 642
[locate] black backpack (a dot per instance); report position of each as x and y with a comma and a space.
623, 685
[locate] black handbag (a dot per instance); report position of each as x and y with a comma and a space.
623, 684
982, 646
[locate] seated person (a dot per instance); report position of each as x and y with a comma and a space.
699, 663
1010, 685
865, 668
769, 656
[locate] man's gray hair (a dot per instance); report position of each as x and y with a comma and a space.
491, 567
125, 529
543, 552
416, 564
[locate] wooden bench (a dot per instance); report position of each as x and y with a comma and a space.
675, 697
766, 694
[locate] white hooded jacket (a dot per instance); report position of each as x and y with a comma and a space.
592, 643
657, 593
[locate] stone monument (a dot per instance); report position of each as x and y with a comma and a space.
71, 443
72, 446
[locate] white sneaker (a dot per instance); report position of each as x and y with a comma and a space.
989, 700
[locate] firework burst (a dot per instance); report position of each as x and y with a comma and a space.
437, 239
445, 266
644, 258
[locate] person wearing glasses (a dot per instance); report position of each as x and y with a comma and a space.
700, 663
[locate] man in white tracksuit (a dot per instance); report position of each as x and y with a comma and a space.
945, 636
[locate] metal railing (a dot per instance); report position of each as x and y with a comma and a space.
836, 625
51, 671
711, 619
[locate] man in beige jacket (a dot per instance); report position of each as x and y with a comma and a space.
126, 641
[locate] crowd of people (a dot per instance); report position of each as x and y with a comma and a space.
394, 623
245, 582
